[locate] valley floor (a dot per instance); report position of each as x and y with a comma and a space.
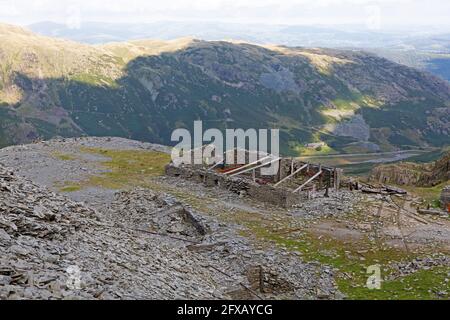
138, 243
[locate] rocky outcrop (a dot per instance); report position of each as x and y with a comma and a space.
414, 174
355, 127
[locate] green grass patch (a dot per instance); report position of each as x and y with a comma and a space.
421, 285
303, 151
358, 169
95, 80
125, 168
350, 259
70, 188
429, 194
63, 156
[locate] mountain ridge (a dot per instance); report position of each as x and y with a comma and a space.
425, 49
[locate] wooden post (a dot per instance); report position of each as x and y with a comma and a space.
335, 178
338, 182
320, 177
254, 175
330, 177
280, 172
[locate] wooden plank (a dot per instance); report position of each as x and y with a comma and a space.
254, 168
309, 180
394, 190
291, 175
224, 156
339, 173
217, 164
433, 212
321, 177
248, 165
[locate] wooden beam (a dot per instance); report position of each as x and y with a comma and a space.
339, 173
309, 180
291, 175
223, 159
254, 168
217, 164
335, 179
321, 177
248, 165
279, 177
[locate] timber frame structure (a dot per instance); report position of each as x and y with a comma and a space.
294, 181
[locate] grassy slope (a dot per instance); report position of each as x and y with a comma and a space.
125, 168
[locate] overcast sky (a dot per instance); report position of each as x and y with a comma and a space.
376, 14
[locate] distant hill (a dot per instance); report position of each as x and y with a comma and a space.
426, 51
144, 89
320, 36
437, 63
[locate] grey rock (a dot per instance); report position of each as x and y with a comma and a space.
4, 236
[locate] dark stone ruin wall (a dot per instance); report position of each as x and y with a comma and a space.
262, 281
266, 193
265, 280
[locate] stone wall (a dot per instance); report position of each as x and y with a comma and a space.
266, 193
265, 280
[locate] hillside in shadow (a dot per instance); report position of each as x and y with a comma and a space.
225, 85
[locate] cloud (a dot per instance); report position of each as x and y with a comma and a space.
379, 12
8, 9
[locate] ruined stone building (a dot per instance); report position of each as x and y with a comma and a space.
292, 182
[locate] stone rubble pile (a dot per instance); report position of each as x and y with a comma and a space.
54, 248
219, 245
417, 264
336, 204
154, 212
143, 245
33, 223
